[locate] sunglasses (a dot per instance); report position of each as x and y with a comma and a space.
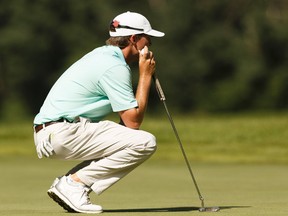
115, 24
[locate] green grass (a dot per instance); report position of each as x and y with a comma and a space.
246, 138
155, 188
239, 161
260, 138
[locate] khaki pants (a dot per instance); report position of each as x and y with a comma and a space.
115, 150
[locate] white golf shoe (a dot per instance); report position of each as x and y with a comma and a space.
72, 196
55, 182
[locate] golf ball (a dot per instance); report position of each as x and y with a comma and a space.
142, 51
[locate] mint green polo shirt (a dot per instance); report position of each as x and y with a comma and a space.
94, 86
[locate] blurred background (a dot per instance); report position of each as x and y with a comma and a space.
223, 66
217, 55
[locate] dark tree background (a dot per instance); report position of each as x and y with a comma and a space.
217, 55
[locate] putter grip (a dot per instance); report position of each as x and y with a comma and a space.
159, 88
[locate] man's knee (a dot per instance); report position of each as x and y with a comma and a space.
151, 143
146, 143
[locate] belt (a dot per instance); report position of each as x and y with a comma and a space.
37, 128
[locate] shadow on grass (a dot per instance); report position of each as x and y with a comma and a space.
169, 209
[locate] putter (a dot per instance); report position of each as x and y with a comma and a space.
163, 99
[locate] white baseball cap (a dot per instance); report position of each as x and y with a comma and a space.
130, 23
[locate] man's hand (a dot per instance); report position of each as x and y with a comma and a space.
146, 62
133, 118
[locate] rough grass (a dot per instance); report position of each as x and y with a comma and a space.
257, 138
242, 138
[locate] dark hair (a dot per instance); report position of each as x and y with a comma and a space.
121, 41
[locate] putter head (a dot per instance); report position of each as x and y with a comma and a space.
209, 209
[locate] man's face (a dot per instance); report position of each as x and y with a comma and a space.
139, 42
143, 40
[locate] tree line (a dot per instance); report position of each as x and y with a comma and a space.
216, 56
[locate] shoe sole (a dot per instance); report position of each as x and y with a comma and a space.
65, 203
60, 202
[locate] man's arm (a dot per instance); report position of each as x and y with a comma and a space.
133, 118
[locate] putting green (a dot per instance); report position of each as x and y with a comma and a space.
249, 178
155, 188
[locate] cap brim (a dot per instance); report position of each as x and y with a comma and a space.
127, 32
124, 32
155, 33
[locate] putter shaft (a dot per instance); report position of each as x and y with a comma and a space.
163, 99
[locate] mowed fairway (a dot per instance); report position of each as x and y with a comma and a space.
240, 163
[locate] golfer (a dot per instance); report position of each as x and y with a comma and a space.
71, 123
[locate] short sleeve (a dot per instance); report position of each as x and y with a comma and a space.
116, 84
